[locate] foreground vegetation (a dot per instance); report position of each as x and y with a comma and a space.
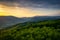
41, 30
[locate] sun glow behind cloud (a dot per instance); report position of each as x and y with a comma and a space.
25, 12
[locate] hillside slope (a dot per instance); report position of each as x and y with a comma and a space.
41, 30
6, 21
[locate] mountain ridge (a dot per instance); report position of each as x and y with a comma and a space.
11, 20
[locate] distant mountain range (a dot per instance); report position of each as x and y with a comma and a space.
6, 21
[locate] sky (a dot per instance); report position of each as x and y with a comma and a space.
29, 8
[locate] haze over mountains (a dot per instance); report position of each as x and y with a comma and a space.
6, 21
10, 20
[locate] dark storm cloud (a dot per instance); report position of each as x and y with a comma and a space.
34, 3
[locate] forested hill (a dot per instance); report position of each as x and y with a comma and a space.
41, 30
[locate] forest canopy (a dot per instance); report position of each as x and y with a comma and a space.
41, 30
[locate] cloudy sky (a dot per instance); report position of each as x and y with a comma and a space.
29, 8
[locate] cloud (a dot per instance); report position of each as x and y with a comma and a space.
8, 0
33, 3
29, 8
27, 12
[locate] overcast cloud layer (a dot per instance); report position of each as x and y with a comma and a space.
30, 7
55, 4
